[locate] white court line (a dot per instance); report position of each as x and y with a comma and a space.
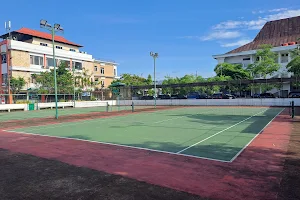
255, 136
219, 132
119, 145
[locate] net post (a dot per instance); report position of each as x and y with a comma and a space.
107, 107
293, 109
132, 107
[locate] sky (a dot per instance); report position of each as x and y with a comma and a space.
185, 34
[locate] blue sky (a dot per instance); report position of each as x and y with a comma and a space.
185, 33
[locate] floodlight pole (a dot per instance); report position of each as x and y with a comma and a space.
54, 65
55, 27
74, 92
154, 55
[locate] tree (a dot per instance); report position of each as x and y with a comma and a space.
266, 64
16, 84
294, 65
64, 80
130, 79
182, 80
296, 52
149, 80
235, 71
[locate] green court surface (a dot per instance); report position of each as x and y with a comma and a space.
21, 115
216, 133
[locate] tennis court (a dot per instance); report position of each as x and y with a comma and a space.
215, 133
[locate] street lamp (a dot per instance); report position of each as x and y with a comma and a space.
74, 85
53, 29
154, 55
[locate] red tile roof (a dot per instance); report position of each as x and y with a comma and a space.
46, 36
274, 33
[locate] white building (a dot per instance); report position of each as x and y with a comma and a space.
282, 35
25, 52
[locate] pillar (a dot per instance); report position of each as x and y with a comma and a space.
43, 99
9, 75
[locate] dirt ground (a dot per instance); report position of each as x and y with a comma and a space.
28, 177
290, 183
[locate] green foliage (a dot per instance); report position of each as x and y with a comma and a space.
296, 52
235, 71
182, 80
266, 65
64, 81
130, 79
16, 84
294, 66
93, 98
149, 80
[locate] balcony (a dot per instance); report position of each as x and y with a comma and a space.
23, 46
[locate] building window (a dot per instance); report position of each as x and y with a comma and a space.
58, 47
95, 68
64, 62
102, 70
96, 79
102, 83
3, 58
77, 65
246, 58
284, 58
43, 44
115, 74
36, 60
73, 50
50, 62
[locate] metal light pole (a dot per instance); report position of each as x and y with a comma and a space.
53, 29
154, 55
74, 92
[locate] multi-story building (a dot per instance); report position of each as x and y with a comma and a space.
282, 35
25, 52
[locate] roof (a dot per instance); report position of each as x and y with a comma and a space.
46, 36
274, 33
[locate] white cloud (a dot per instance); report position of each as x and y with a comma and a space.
228, 25
258, 23
284, 14
221, 35
268, 11
237, 43
190, 37
277, 10
214, 35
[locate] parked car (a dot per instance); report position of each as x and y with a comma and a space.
193, 95
228, 96
178, 96
218, 95
202, 96
267, 95
164, 96
147, 98
294, 94
256, 96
